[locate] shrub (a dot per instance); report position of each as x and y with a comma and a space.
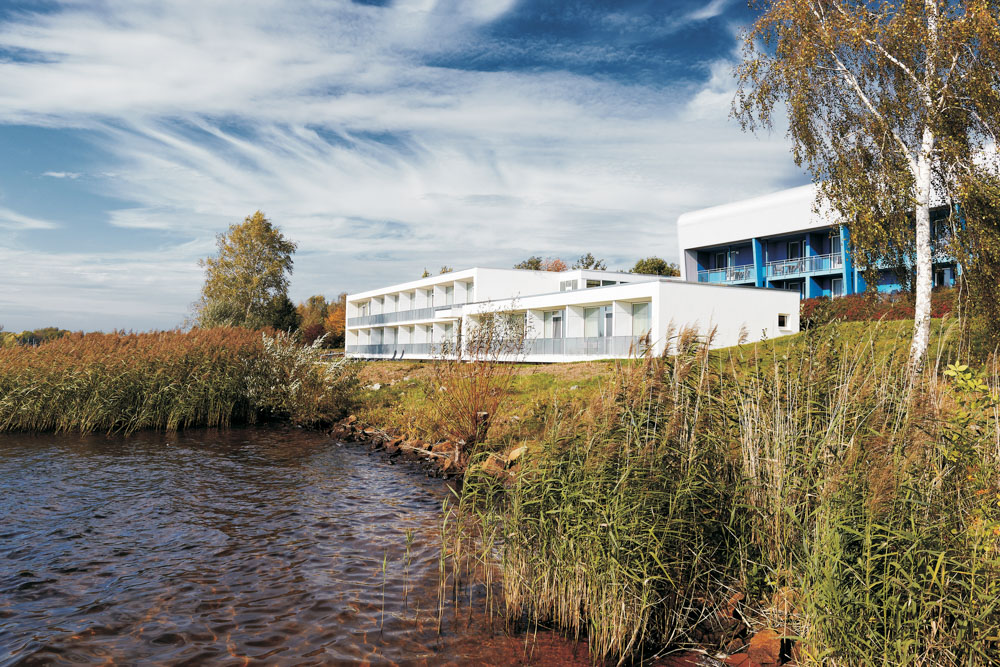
870, 306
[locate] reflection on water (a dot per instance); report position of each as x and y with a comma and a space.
263, 546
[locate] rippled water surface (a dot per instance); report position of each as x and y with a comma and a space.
229, 547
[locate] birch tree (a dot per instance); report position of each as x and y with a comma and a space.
246, 284
892, 107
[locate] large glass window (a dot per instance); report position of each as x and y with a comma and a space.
794, 250
567, 285
835, 243
553, 324
597, 322
591, 322
449, 295
640, 319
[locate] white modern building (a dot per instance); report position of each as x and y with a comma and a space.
570, 316
780, 241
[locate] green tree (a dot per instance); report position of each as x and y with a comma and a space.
588, 261
654, 266
246, 284
888, 103
313, 310
426, 273
446, 269
533, 263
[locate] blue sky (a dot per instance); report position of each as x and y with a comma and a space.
382, 136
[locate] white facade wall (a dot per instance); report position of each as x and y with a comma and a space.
673, 304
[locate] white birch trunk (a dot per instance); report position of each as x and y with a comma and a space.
922, 187
924, 267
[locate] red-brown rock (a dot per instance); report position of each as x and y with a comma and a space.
765, 648
738, 660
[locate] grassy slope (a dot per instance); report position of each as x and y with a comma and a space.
401, 403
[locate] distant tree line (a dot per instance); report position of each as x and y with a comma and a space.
654, 266
34, 337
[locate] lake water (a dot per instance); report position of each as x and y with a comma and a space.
252, 546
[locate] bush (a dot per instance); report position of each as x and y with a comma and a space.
868, 307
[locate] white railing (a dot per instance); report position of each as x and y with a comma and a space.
602, 346
398, 316
730, 274
803, 265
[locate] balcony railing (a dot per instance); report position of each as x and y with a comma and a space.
803, 265
605, 346
389, 349
398, 316
730, 274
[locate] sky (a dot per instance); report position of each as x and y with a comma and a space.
384, 137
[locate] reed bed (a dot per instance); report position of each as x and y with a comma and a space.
119, 383
858, 514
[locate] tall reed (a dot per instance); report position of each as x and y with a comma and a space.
859, 514
166, 380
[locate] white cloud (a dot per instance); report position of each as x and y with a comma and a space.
710, 10
72, 175
13, 220
329, 119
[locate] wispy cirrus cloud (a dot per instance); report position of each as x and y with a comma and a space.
13, 220
383, 138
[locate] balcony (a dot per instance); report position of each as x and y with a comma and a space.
600, 347
390, 349
603, 346
801, 266
731, 274
398, 316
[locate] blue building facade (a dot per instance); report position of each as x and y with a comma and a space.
793, 251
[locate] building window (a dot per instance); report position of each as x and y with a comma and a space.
597, 322
640, 319
835, 247
593, 283
430, 298
943, 278
720, 260
449, 295
567, 285
553, 324
782, 321
794, 250
837, 287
